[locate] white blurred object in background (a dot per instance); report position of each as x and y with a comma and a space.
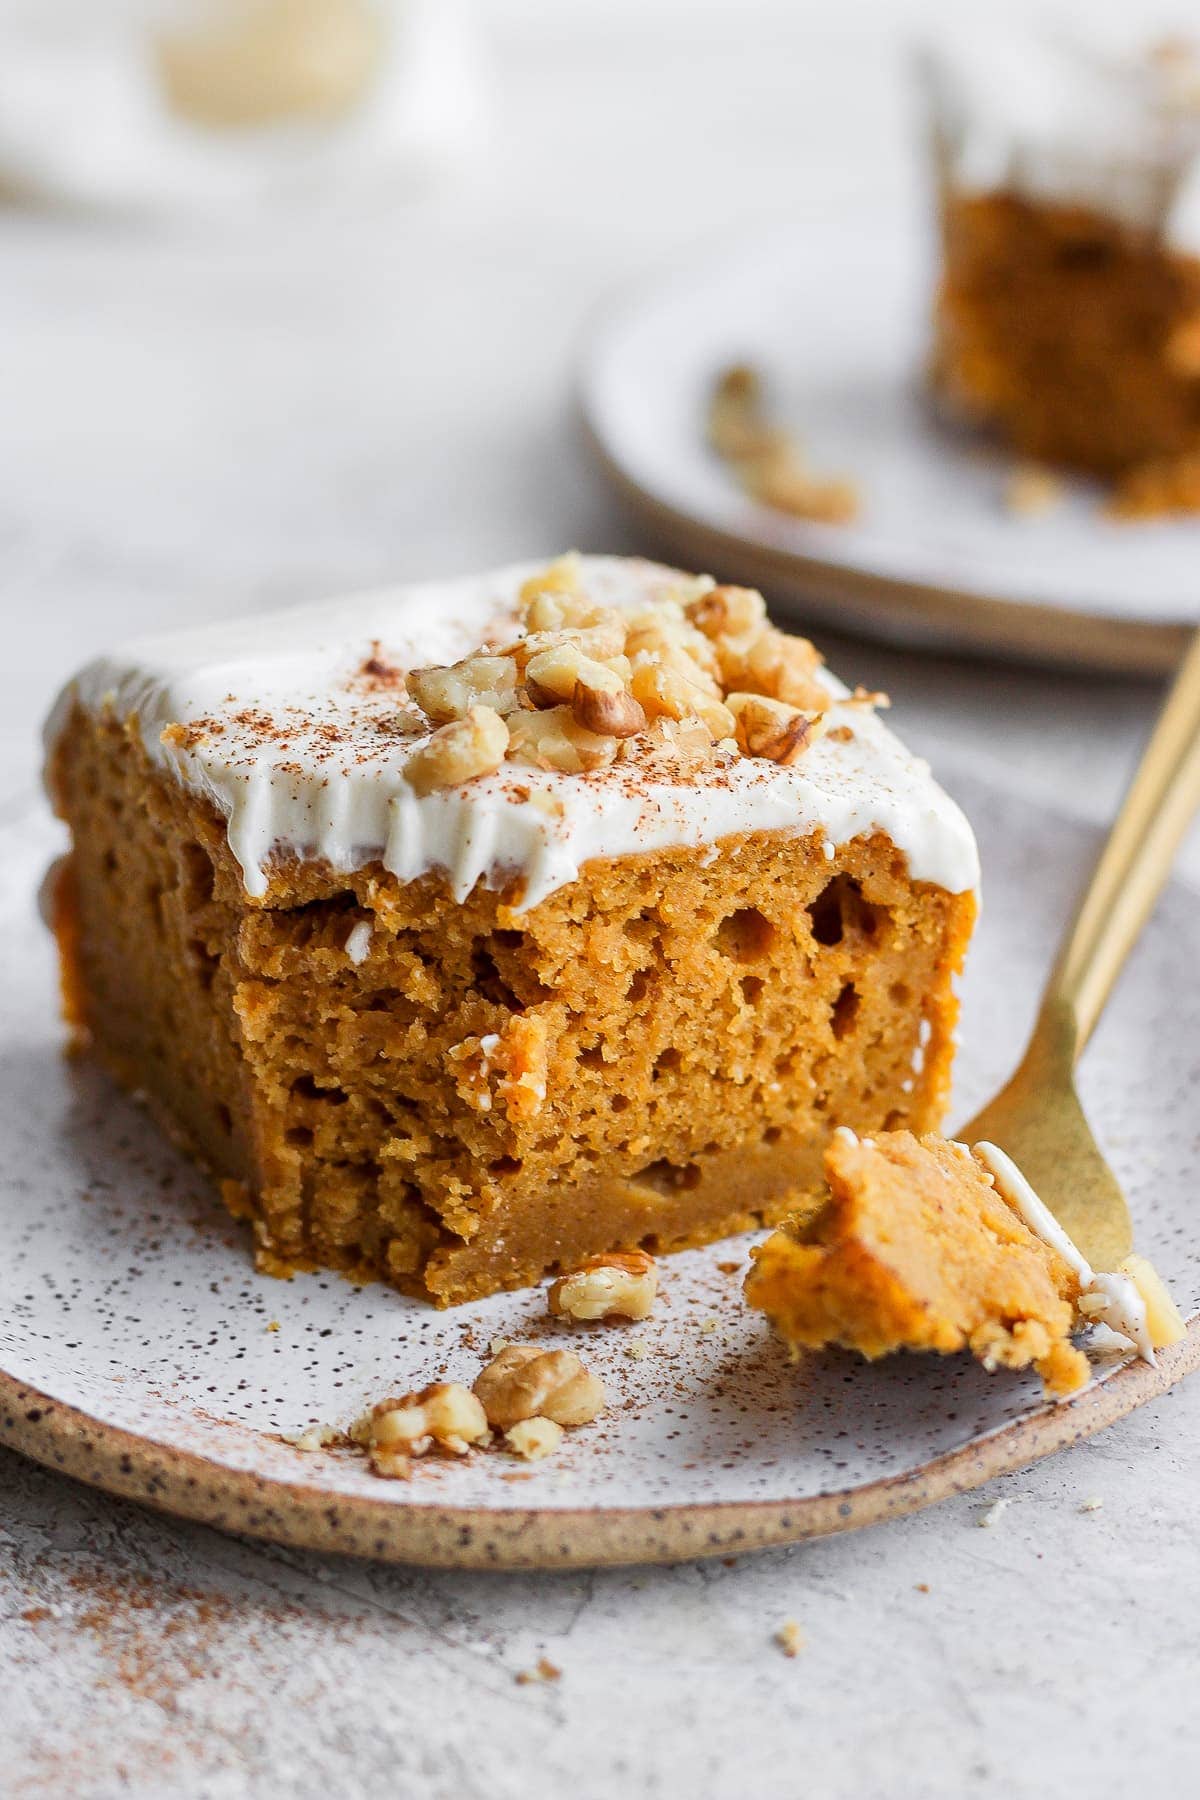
219, 104
1106, 117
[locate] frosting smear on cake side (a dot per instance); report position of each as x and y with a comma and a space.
303, 729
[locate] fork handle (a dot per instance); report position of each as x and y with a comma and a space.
1133, 866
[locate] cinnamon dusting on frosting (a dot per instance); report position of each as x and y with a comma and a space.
284, 725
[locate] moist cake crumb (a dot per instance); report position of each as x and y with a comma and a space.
915, 1249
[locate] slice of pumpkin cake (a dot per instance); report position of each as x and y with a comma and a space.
465, 931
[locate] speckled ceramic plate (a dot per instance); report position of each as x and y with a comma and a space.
836, 317
139, 1348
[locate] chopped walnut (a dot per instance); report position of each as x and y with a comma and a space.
737, 425
771, 729
555, 739
620, 1285
457, 752
773, 663
313, 1437
583, 685
768, 460
782, 479
663, 634
609, 714
525, 1382
450, 693
445, 1417
1155, 489
555, 672
1183, 347
685, 745
561, 578
602, 637
870, 697
392, 1465
555, 609
664, 692
533, 1438
724, 612
661, 692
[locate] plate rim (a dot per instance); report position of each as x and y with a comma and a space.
188, 1485
837, 597
839, 593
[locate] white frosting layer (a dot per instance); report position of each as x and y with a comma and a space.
295, 744
1107, 124
1115, 1300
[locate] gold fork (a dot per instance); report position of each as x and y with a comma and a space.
1037, 1118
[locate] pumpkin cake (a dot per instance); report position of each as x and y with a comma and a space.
1067, 309
923, 1244
467, 931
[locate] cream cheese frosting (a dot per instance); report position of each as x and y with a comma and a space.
287, 723
1112, 122
1114, 1297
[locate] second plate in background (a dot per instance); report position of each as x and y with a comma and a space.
835, 319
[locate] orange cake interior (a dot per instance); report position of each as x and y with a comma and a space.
915, 1249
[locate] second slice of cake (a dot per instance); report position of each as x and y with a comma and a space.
468, 930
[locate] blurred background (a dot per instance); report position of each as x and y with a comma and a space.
291, 293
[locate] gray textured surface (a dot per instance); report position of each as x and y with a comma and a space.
1055, 1652
273, 414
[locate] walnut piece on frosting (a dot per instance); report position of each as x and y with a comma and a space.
772, 663
555, 739
526, 1382
446, 693
728, 612
460, 750
562, 579
771, 728
582, 684
620, 1285
555, 672
605, 713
